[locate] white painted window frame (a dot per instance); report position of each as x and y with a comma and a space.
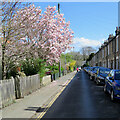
108, 49
117, 43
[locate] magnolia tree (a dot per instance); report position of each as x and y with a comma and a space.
7, 11
38, 35
8, 50
47, 35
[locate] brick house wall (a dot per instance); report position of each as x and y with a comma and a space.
117, 39
108, 54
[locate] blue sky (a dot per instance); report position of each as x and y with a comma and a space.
92, 22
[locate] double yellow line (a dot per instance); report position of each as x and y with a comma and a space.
52, 101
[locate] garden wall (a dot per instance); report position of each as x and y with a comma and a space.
46, 80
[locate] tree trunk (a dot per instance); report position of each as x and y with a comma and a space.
3, 64
3, 56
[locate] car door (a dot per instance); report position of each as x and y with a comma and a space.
106, 82
96, 72
110, 82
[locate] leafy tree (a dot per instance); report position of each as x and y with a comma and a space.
72, 65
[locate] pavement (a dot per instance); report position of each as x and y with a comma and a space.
27, 106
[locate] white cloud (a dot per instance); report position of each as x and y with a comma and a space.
82, 42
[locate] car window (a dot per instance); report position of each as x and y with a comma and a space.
96, 69
93, 69
117, 75
104, 71
112, 73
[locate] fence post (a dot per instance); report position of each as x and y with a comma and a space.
17, 87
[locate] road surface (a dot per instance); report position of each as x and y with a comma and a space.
82, 98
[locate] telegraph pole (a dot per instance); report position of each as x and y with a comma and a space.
59, 60
59, 8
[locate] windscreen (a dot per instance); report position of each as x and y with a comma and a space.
117, 75
104, 72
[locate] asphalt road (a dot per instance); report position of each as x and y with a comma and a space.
82, 98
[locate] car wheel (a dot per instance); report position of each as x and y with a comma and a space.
105, 89
97, 81
112, 96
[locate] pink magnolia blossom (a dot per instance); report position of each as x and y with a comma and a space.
44, 35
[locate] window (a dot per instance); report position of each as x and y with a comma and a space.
104, 71
108, 63
108, 49
112, 46
113, 64
117, 43
103, 53
117, 63
112, 73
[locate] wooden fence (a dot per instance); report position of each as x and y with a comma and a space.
26, 85
0, 72
12, 89
7, 91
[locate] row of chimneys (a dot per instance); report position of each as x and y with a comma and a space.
111, 36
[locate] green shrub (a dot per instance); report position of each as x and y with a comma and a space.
29, 67
53, 68
33, 66
41, 71
62, 69
11, 70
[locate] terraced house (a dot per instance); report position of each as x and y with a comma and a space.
108, 54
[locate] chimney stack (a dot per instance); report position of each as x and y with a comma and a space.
117, 31
110, 37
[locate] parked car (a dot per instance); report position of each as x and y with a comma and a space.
79, 68
49, 72
102, 73
90, 68
112, 84
86, 69
93, 72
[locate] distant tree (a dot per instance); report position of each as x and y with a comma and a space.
65, 58
86, 51
77, 57
90, 57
